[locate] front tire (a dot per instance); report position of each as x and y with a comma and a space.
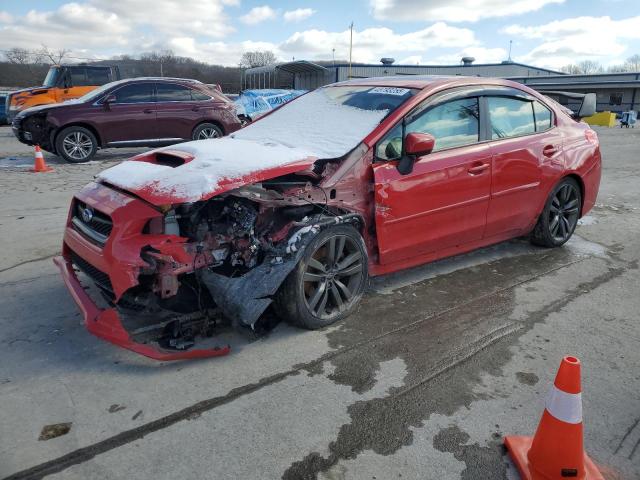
76, 144
559, 219
328, 282
207, 131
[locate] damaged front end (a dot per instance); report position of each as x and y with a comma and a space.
163, 280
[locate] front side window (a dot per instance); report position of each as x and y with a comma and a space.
136, 93
168, 92
452, 124
510, 117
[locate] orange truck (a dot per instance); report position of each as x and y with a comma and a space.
63, 82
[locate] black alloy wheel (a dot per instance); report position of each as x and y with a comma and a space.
328, 282
560, 217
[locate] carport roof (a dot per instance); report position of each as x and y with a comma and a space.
299, 66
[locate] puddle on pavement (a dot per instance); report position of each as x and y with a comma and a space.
388, 284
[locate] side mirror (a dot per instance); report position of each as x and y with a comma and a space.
108, 100
419, 144
415, 145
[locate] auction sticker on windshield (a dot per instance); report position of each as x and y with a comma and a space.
389, 91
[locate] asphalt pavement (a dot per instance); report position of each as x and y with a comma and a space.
439, 363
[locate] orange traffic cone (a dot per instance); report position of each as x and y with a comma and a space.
39, 165
556, 451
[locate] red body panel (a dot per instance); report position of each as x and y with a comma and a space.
453, 201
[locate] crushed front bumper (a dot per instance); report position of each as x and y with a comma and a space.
106, 323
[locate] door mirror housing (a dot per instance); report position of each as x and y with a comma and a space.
109, 99
419, 144
415, 145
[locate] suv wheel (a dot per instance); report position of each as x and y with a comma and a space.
76, 144
205, 131
560, 216
328, 282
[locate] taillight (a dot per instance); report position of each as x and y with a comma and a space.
591, 136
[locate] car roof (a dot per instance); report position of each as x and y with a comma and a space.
424, 81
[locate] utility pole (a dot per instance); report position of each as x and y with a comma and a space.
510, 44
333, 56
350, 48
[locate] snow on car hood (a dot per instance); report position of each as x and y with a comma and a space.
290, 139
211, 167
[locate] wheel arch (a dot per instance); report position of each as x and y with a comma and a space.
580, 183
91, 128
212, 121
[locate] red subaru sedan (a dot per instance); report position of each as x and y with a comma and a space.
298, 209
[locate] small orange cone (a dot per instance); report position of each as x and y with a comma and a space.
39, 165
556, 451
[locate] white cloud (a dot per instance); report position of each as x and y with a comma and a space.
5, 17
72, 26
452, 10
258, 15
221, 53
573, 39
372, 43
198, 17
298, 14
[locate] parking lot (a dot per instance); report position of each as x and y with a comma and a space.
438, 364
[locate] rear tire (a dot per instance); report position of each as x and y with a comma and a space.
207, 131
76, 144
559, 219
328, 282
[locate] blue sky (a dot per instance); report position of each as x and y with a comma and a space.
548, 33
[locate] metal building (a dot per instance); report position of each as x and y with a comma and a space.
616, 92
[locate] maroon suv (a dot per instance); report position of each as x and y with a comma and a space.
128, 113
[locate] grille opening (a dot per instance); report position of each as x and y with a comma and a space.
97, 228
100, 278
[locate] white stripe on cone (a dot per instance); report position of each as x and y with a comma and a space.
566, 407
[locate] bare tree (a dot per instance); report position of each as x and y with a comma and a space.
257, 59
21, 56
53, 56
589, 66
571, 69
633, 63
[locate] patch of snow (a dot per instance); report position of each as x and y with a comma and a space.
214, 160
587, 220
313, 126
316, 123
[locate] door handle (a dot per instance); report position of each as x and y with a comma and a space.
549, 150
196, 109
477, 169
147, 110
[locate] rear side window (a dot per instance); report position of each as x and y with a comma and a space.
542, 116
453, 124
98, 76
168, 92
199, 96
135, 93
510, 117
78, 77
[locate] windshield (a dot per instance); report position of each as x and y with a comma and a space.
328, 122
52, 77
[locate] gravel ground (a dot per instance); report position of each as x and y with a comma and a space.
438, 364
